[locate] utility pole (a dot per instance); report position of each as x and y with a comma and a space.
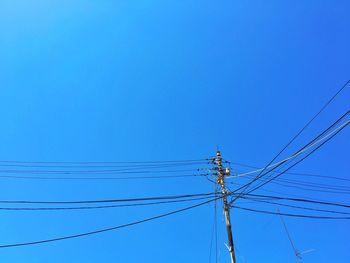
220, 179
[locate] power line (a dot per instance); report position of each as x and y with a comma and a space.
102, 162
301, 131
305, 148
99, 207
296, 252
105, 229
120, 171
295, 173
299, 207
304, 185
105, 201
102, 178
216, 225
277, 192
314, 189
305, 126
301, 200
318, 147
291, 215
103, 166
312, 142
214, 234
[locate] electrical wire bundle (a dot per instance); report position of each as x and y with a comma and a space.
208, 197
241, 197
244, 196
102, 170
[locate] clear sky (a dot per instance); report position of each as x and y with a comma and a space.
166, 80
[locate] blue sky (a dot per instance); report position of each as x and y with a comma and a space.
164, 80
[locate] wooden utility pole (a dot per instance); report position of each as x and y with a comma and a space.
220, 178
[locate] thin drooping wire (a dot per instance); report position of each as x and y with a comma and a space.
298, 207
107, 200
301, 200
214, 233
216, 225
296, 173
105, 229
292, 215
295, 251
313, 184
310, 189
313, 189
267, 198
305, 126
211, 242
280, 193
309, 185
314, 150
100, 207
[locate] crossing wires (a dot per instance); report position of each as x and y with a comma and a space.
244, 188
